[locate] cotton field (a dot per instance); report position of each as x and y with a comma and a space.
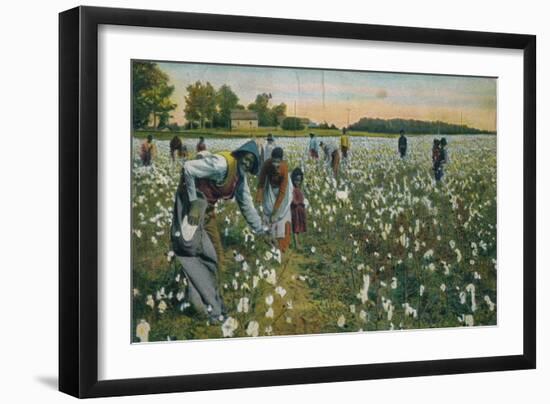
386, 248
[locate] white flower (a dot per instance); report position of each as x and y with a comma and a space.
472, 290
268, 330
268, 255
458, 255
135, 292
393, 282
150, 301
422, 288
229, 326
410, 311
313, 249
253, 329
269, 313
180, 295
443, 287
352, 308
429, 254
269, 300
344, 258
272, 277
341, 321
242, 306
363, 315
142, 330
489, 303
469, 320
280, 291
162, 306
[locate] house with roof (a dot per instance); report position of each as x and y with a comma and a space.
243, 119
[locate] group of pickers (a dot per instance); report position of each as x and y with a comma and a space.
210, 177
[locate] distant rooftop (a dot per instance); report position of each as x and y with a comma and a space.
241, 114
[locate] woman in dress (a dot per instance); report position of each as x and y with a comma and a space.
275, 194
297, 206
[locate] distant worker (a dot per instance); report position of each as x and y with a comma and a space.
175, 146
201, 145
332, 157
442, 159
313, 146
344, 144
402, 143
148, 151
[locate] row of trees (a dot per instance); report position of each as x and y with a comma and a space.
204, 105
151, 95
412, 126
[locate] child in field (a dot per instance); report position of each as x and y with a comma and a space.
344, 144
148, 151
275, 194
435, 157
175, 146
442, 159
297, 206
201, 145
313, 147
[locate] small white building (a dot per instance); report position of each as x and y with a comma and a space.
242, 119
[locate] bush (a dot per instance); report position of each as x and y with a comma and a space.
291, 123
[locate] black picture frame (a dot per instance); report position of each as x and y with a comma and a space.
78, 200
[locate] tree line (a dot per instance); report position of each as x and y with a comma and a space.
205, 106
413, 126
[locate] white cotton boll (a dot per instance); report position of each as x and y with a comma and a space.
458, 255
489, 303
472, 290
142, 330
364, 291
341, 321
409, 310
229, 326
272, 277
150, 301
462, 296
280, 291
253, 329
242, 306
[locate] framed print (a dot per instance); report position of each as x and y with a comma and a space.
249, 201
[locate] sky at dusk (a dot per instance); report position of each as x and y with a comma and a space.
357, 94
